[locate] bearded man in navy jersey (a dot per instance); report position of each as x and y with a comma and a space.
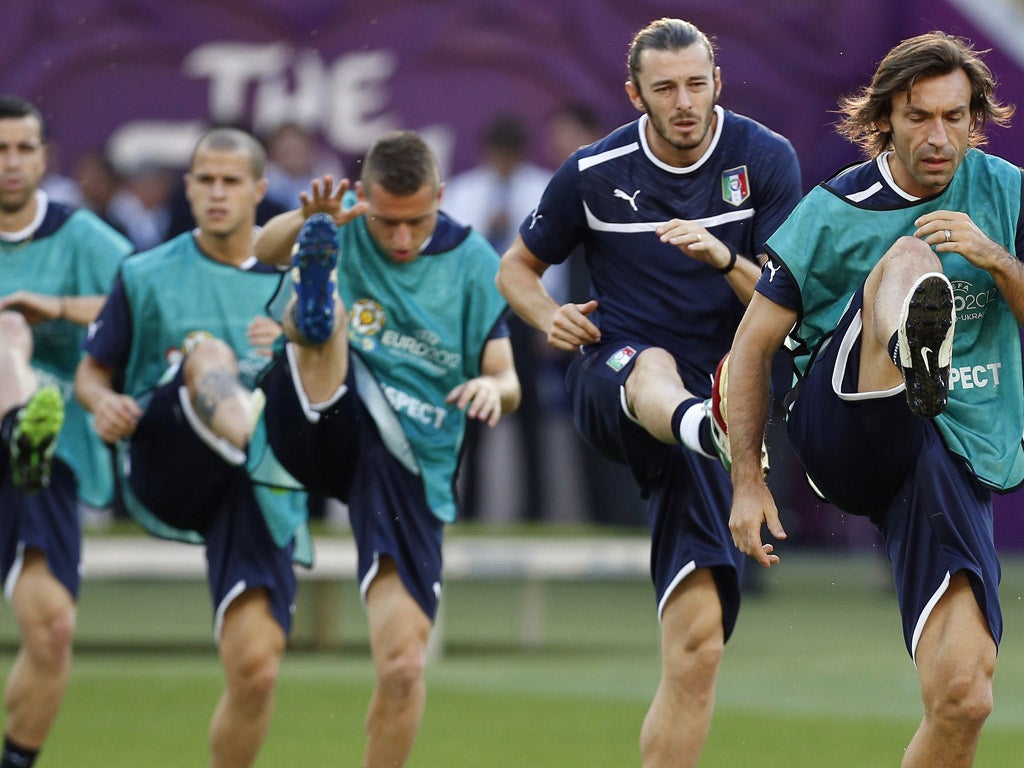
672, 211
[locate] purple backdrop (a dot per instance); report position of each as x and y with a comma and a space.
143, 77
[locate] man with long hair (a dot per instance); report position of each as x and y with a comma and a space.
899, 283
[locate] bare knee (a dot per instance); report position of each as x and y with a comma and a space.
401, 670
693, 640
962, 698
252, 673
208, 353
907, 257
48, 639
650, 367
695, 653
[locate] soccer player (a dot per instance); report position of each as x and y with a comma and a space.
194, 455
370, 400
56, 264
672, 211
907, 265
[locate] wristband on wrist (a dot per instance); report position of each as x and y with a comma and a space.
728, 267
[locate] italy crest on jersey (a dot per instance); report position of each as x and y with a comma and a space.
735, 185
619, 360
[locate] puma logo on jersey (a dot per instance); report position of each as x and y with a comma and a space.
631, 199
771, 268
535, 217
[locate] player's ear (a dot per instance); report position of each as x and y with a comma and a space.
634, 95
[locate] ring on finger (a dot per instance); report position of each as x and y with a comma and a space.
948, 234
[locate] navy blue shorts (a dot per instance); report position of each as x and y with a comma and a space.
688, 496
48, 520
869, 455
189, 484
338, 452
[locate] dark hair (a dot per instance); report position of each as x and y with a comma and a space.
929, 55
229, 140
506, 132
12, 107
665, 35
401, 162
581, 114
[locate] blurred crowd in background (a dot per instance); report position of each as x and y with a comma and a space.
533, 466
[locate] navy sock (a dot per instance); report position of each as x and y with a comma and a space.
697, 436
7, 422
16, 756
677, 415
707, 443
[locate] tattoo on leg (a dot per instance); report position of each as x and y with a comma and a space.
211, 390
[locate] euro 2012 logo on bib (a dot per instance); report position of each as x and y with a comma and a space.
366, 321
735, 185
619, 360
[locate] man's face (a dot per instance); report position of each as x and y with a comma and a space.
222, 191
930, 128
401, 224
678, 90
22, 162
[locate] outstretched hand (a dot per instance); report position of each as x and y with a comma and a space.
325, 196
749, 512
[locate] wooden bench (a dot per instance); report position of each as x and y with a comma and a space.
533, 560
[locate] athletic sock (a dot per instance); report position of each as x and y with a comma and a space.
16, 756
7, 422
690, 425
894, 348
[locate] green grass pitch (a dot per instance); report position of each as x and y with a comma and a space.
815, 675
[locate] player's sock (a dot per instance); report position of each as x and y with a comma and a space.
7, 422
894, 347
690, 424
17, 756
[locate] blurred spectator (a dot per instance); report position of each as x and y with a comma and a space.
536, 447
142, 206
570, 127
293, 160
496, 195
608, 488
97, 182
57, 186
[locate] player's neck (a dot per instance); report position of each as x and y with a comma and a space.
235, 248
16, 221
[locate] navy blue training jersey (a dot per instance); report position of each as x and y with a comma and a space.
609, 197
